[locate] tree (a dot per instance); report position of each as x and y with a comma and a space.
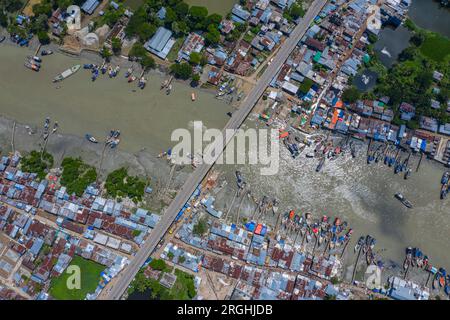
105, 53
43, 37
181, 70
213, 19
3, 19
147, 62
296, 11
350, 95
158, 264
195, 58
200, 227
212, 37
181, 9
417, 39
145, 31
407, 54
195, 80
12, 5
116, 46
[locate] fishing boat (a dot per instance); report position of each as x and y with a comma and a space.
142, 82
46, 52
131, 78
31, 66
129, 72
169, 89
407, 173
444, 191
104, 68
408, 258
320, 165
403, 200
310, 155
90, 138
67, 73
359, 244
88, 66
193, 96
445, 177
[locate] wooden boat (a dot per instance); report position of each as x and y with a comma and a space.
90, 138
46, 52
403, 200
193, 96
2, 39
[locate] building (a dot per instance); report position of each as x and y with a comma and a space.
193, 43
161, 43
89, 6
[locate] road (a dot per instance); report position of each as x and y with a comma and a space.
127, 275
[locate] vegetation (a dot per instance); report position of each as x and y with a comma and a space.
411, 79
183, 289
90, 276
116, 46
139, 53
159, 264
306, 85
181, 70
296, 11
120, 184
77, 175
106, 53
34, 163
200, 227
350, 95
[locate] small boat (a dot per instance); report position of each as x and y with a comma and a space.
104, 68
31, 66
129, 72
444, 191
88, 66
2, 39
407, 173
67, 73
35, 58
445, 177
169, 89
408, 258
142, 83
131, 78
320, 165
193, 96
46, 52
403, 200
229, 114
310, 155
91, 138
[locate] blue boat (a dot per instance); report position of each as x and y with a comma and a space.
88, 66
91, 138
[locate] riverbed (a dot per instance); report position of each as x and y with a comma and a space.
361, 194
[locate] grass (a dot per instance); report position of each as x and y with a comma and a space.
435, 47
90, 276
133, 4
173, 53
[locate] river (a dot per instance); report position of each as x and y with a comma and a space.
429, 14
146, 117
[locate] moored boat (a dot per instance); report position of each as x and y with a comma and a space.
91, 138
67, 73
403, 200
193, 96
46, 52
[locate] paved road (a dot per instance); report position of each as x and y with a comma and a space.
127, 275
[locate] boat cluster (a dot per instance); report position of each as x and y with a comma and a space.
34, 62
445, 184
46, 131
112, 72
365, 245
392, 158
326, 149
113, 138
103, 69
324, 231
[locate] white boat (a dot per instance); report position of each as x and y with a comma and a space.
67, 73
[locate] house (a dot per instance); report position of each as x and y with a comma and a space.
289, 87
226, 26
428, 123
89, 6
161, 14
239, 14
407, 111
161, 43
445, 129
193, 43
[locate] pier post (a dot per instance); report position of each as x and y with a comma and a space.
420, 161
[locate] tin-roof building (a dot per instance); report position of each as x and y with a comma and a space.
161, 43
89, 6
